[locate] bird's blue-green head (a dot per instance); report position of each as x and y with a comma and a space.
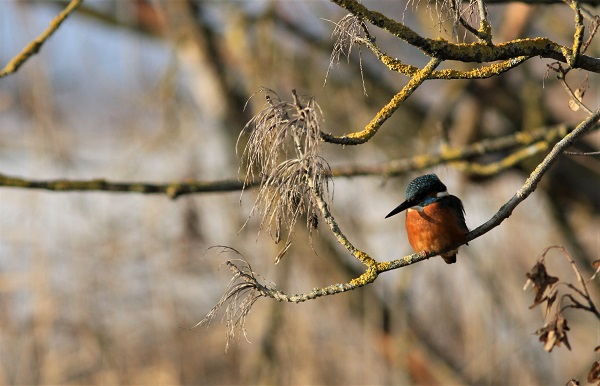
424, 186
420, 192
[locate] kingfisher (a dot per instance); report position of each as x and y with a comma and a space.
435, 220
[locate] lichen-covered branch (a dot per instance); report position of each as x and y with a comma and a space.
34, 46
271, 292
578, 36
479, 52
387, 111
454, 154
172, 189
335, 229
520, 140
485, 29
536, 176
375, 268
489, 71
492, 168
506, 56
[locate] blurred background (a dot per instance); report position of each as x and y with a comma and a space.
102, 288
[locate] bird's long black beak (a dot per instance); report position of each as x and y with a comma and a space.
400, 208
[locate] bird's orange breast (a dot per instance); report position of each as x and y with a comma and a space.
435, 228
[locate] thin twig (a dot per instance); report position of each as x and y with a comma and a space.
34, 46
574, 97
535, 176
594, 24
387, 169
587, 153
375, 268
172, 189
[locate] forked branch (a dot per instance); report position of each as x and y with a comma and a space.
387, 111
480, 52
374, 268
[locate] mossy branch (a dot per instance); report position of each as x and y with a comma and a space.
172, 189
478, 52
578, 36
484, 72
484, 33
505, 56
375, 268
511, 160
453, 155
522, 141
34, 46
387, 111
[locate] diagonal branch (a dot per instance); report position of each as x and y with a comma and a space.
492, 168
387, 111
470, 52
536, 176
449, 155
376, 268
34, 46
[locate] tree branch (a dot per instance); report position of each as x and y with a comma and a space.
521, 140
34, 46
396, 65
535, 177
387, 111
172, 190
478, 169
450, 154
375, 268
479, 52
485, 29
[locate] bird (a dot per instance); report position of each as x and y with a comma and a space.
435, 220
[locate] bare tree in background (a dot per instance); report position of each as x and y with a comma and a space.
490, 124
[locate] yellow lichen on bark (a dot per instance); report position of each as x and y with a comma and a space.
486, 29
382, 115
367, 277
365, 258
